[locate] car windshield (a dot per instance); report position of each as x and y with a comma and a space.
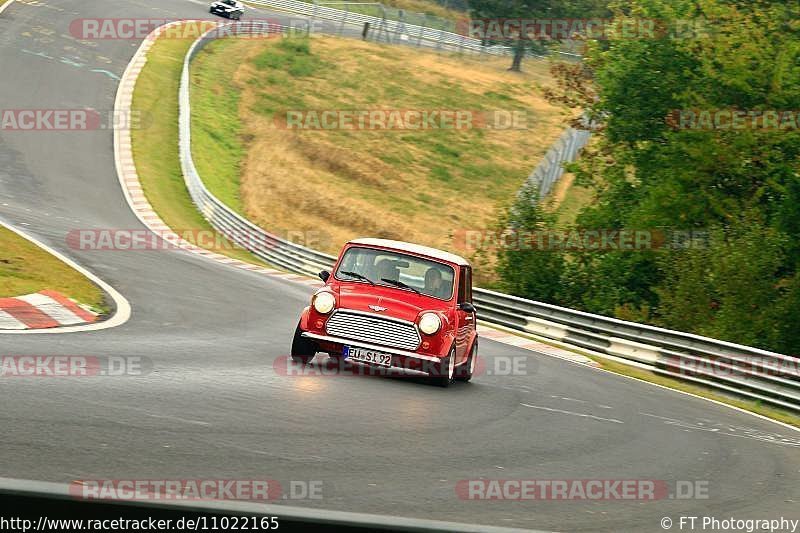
229, 2
383, 267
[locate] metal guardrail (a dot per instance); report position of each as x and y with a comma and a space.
390, 30
440, 34
750, 372
564, 150
732, 368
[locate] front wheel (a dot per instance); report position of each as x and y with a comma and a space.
445, 370
303, 349
468, 369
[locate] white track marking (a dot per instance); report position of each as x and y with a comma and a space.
52, 308
583, 415
727, 430
9, 322
5, 6
123, 308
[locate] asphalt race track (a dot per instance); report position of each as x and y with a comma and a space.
214, 407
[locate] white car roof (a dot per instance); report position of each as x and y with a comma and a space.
412, 248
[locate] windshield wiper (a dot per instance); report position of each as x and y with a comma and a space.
358, 276
400, 284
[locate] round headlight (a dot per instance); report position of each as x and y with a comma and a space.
324, 302
429, 323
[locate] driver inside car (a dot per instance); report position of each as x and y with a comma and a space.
434, 284
387, 270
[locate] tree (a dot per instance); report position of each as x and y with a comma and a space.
524, 270
650, 171
742, 185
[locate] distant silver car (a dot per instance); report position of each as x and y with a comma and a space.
231, 9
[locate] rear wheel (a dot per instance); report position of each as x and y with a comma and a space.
466, 370
445, 370
303, 349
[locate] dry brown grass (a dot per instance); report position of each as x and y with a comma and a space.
417, 186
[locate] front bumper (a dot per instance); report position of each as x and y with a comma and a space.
401, 359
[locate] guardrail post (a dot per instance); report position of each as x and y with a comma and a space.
314, 13
344, 18
398, 27
384, 28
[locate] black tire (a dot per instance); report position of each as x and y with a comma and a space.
303, 350
444, 372
466, 370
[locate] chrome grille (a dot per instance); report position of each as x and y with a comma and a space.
374, 329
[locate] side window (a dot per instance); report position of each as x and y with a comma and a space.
465, 285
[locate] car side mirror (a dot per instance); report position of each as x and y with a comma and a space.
466, 307
324, 275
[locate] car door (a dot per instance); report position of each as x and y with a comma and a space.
465, 332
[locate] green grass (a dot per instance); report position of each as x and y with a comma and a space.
574, 200
215, 123
155, 148
25, 269
567, 199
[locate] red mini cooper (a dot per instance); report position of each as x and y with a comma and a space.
394, 305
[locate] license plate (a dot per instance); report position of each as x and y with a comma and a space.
367, 356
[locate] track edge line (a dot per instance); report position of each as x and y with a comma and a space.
122, 311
